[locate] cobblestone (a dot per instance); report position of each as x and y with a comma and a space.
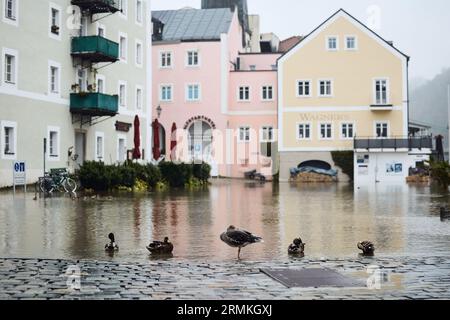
409, 278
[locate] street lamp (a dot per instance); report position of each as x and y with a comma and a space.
159, 111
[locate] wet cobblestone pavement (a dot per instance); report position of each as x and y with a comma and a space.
404, 278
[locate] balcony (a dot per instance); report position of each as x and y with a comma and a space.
97, 6
393, 143
381, 107
95, 49
94, 104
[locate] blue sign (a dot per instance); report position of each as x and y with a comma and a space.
19, 167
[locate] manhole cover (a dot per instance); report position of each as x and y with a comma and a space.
311, 278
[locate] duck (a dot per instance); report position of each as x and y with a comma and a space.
445, 214
158, 247
297, 247
367, 247
112, 246
237, 238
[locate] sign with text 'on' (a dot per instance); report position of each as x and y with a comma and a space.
19, 174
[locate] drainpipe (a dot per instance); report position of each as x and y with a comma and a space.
448, 102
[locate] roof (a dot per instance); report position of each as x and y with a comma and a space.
194, 24
289, 43
364, 27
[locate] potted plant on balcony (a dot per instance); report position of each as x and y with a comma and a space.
75, 88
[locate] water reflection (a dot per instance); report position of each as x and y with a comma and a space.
330, 218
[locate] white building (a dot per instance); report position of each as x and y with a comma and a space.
76, 73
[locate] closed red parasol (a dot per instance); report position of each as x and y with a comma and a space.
137, 139
173, 143
156, 145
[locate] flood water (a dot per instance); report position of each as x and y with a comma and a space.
331, 219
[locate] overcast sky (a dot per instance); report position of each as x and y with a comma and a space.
419, 28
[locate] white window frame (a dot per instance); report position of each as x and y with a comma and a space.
139, 13
187, 58
161, 53
346, 42
8, 124
102, 27
54, 6
138, 53
125, 99
331, 88
327, 43
245, 128
124, 138
388, 91
297, 126
53, 64
267, 87
100, 158
161, 86
297, 84
15, 54
319, 132
84, 78
377, 122
57, 130
123, 5
264, 127
102, 78
137, 105
123, 36
239, 93
341, 127
199, 90
15, 21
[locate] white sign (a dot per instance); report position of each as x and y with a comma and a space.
19, 174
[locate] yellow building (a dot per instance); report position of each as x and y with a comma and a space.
343, 87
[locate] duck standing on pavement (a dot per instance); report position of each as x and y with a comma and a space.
236, 238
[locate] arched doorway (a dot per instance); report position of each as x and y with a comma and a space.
200, 141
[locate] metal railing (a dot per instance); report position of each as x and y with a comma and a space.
393, 143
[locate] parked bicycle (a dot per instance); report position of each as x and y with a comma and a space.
57, 180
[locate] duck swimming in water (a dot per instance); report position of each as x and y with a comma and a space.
111, 246
236, 238
297, 247
158, 247
366, 247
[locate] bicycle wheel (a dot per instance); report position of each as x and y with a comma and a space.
46, 185
70, 185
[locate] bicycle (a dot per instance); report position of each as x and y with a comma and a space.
57, 179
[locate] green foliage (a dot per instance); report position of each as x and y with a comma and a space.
136, 177
345, 161
440, 172
202, 172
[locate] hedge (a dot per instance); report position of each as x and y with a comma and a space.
100, 177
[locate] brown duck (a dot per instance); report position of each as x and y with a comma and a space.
158, 247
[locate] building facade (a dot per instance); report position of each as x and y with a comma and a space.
218, 93
344, 88
75, 73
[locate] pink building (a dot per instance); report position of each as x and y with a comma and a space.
217, 89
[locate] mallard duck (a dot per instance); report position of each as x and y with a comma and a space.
367, 247
158, 247
236, 238
112, 246
296, 247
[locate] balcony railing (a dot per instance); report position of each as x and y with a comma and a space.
94, 104
98, 6
95, 49
395, 143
